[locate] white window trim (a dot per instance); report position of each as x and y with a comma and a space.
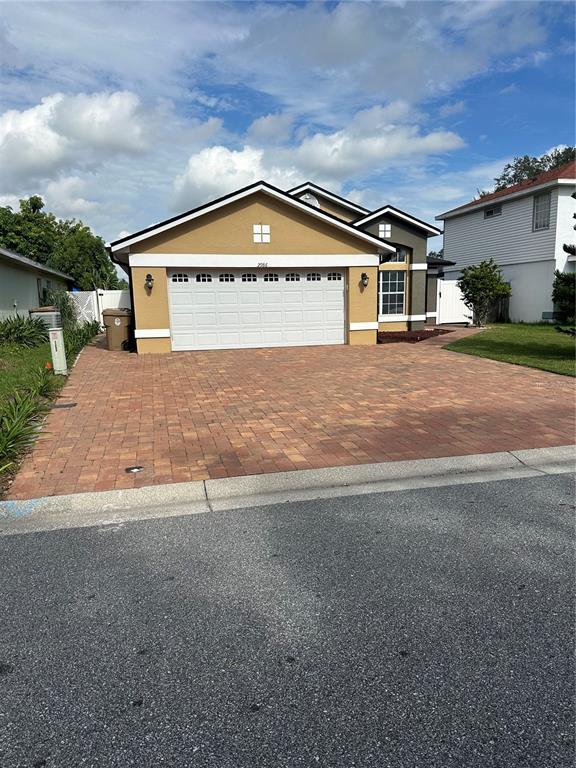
431, 314
399, 318
152, 333
261, 233
380, 293
548, 195
254, 260
413, 267
382, 227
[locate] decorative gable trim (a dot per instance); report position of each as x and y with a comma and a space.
315, 189
391, 211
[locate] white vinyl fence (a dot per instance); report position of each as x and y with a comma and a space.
89, 304
450, 304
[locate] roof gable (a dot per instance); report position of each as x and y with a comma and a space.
24, 261
327, 195
125, 243
390, 210
566, 171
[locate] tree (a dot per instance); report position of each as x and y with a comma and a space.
436, 254
482, 286
527, 167
564, 295
67, 245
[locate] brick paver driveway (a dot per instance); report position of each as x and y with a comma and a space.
195, 415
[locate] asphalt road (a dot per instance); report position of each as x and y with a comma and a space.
420, 628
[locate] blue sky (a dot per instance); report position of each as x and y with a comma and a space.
125, 113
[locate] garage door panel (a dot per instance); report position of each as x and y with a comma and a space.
256, 314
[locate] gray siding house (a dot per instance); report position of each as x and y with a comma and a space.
24, 283
523, 228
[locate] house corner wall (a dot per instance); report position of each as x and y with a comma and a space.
151, 311
362, 306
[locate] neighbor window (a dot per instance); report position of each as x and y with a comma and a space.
541, 212
496, 210
384, 230
261, 233
391, 293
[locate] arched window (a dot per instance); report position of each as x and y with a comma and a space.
226, 277
292, 277
334, 275
270, 277
179, 277
313, 277
248, 277
204, 277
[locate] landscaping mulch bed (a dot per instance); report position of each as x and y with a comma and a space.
410, 337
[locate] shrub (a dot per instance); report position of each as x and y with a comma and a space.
19, 424
77, 338
564, 295
482, 285
23, 331
63, 301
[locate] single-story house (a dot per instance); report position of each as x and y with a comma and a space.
24, 283
262, 267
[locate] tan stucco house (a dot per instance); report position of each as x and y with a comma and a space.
262, 267
24, 283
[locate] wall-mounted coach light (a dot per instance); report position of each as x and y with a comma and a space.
364, 279
149, 282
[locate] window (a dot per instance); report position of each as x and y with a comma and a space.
489, 213
248, 277
384, 230
334, 275
226, 277
313, 276
292, 277
391, 293
180, 277
203, 278
541, 212
261, 233
399, 257
270, 277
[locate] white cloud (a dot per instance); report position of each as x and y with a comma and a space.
66, 131
271, 128
456, 108
64, 197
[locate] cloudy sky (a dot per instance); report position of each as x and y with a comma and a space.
123, 114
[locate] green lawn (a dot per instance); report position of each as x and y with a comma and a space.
536, 346
17, 365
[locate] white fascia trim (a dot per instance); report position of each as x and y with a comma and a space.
431, 314
399, 318
282, 196
418, 267
392, 212
256, 261
152, 333
364, 326
479, 206
328, 196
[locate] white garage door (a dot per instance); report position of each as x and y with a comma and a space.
225, 308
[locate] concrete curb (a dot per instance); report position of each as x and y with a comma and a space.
86, 509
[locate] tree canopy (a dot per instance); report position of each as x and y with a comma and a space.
67, 245
527, 167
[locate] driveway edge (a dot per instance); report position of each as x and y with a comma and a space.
173, 499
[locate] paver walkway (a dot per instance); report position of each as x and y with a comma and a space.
195, 415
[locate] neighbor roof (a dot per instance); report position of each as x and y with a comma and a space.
26, 262
259, 186
566, 171
392, 211
310, 187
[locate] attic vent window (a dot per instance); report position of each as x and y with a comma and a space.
261, 233
489, 213
384, 230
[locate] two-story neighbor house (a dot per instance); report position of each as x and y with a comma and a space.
263, 267
523, 228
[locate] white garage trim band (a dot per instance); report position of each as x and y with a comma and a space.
233, 260
152, 333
